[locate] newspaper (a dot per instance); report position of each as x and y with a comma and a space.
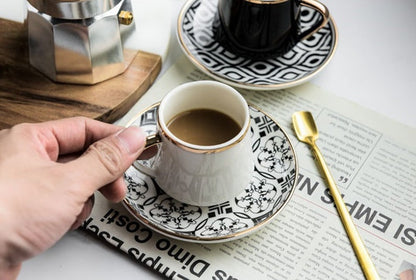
373, 160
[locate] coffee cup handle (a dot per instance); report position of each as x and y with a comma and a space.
151, 140
323, 10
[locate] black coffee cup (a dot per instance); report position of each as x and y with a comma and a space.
261, 29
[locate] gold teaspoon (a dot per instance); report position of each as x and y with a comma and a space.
307, 132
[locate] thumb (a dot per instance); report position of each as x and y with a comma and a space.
106, 160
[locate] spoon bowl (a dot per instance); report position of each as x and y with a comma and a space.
305, 127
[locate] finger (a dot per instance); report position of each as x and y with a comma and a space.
85, 213
72, 135
10, 271
68, 157
107, 159
115, 191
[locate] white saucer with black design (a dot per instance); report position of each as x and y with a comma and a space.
270, 189
196, 24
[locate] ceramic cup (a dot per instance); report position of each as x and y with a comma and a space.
262, 29
201, 174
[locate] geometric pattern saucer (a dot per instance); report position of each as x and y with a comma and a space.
270, 189
197, 23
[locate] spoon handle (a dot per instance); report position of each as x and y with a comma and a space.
364, 259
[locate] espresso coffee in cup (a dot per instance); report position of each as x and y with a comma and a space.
204, 127
261, 29
205, 154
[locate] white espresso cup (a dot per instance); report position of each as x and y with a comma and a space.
201, 174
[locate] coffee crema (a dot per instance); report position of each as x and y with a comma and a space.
204, 127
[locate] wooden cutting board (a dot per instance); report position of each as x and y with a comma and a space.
26, 95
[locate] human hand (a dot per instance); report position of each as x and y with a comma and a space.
48, 174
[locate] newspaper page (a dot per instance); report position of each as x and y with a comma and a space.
372, 159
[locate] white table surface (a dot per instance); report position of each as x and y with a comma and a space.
374, 65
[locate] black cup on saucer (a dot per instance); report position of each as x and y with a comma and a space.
261, 29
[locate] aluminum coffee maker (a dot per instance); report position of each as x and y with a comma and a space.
79, 42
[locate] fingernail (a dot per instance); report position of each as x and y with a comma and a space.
132, 138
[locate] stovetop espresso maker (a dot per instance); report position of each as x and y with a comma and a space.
79, 41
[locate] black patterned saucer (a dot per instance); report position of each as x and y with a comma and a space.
272, 185
196, 24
